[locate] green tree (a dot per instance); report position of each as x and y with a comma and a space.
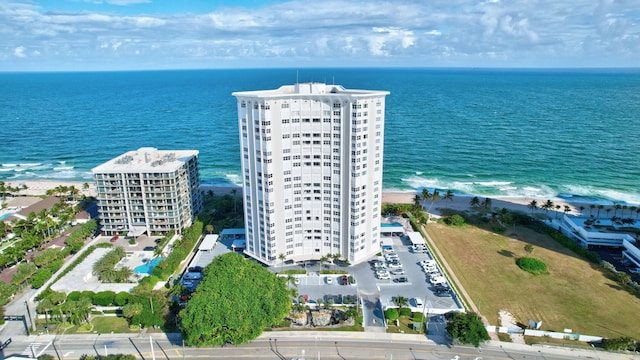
425, 194
434, 196
401, 301
235, 301
466, 328
282, 257
209, 229
391, 314
533, 205
448, 196
474, 202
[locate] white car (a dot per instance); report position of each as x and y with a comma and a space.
329, 280
395, 265
427, 262
417, 302
397, 271
384, 276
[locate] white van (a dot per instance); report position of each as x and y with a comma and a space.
439, 280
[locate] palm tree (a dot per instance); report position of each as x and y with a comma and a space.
434, 196
474, 202
448, 196
425, 195
637, 213
401, 301
615, 211
548, 205
558, 210
608, 210
282, 257
323, 259
567, 209
486, 203
591, 207
582, 210
533, 205
624, 208
416, 200
600, 207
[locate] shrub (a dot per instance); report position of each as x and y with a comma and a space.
404, 312
456, 220
121, 298
622, 343
532, 265
391, 314
104, 298
73, 296
417, 316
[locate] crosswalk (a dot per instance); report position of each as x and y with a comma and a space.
34, 349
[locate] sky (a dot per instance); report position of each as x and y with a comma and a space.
103, 35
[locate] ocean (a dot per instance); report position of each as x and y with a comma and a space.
572, 134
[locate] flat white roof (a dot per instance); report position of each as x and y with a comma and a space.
208, 242
304, 89
415, 237
146, 160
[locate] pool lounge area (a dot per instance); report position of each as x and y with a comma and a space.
147, 267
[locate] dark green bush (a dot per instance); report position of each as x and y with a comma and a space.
73, 296
532, 265
104, 298
121, 298
456, 220
404, 312
391, 314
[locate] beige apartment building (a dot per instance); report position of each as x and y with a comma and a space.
148, 191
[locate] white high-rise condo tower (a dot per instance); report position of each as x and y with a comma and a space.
311, 171
148, 190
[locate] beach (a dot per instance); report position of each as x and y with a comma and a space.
458, 202
462, 203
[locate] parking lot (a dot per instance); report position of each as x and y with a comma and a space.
404, 277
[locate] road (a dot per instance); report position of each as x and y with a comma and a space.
287, 345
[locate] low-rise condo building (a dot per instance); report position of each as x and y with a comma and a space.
148, 190
311, 171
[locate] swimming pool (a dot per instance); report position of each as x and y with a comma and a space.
4, 216
390, 225
147, 267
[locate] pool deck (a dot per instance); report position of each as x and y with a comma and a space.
81, 277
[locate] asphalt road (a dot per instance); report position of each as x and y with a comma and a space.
291, 345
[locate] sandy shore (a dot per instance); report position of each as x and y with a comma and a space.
461, 203
40, 187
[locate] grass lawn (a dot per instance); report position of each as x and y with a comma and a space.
406, 326
573, 295
107, 324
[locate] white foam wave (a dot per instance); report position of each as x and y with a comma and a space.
29, 164
9, 165
493, 183
63, 168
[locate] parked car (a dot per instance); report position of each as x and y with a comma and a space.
329, 280
397, 271
114, 239
395, 265
401, 279
442, 293
344, 280
384, 276
417, 302
150, 248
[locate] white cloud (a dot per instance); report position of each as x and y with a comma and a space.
19, 52
404, 32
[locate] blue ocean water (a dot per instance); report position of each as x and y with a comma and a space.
540, 133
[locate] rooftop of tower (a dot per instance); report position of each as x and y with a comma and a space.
308, 88
145, 160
